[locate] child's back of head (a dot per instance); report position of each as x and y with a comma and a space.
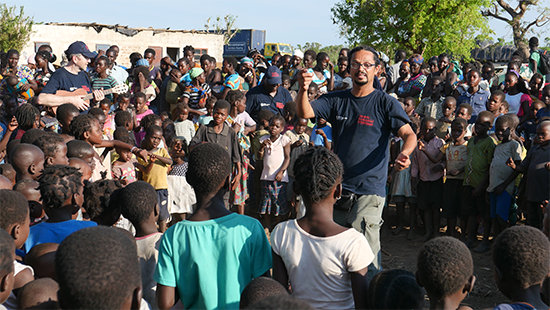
79, 149
14, 215
7, 256
123, 118
395, 289
521, 255
38, 294
259, 289
97, 202
32, 135
26, 116
42, 260
137, 202
8, 171
60, 185
445, 268
27, 160
209, 167
317, 171
29, 189
98, 268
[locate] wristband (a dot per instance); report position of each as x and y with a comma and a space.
132, 149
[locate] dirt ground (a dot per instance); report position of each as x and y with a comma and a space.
398, 252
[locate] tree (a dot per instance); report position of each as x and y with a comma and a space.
15, 29
331, 50
502, 10
427, 27
223, 25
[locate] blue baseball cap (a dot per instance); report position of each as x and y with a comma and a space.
80, 47
273, 75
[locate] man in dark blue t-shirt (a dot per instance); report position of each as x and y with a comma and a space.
268, 95
70, 78
362, 120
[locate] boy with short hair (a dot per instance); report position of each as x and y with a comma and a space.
501, 197
433, 106
81, 150
139, 204
537, 167
465, 111
217, 242
7, 256
443, 124
29, 189
446, 270
14, 219
219, 132
38, 294
521, 255
476, 179
65, 114
495, 105
28, 161
54, 148
97, 268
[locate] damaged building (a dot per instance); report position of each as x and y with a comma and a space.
166, 42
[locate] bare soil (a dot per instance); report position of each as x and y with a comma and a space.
398, 252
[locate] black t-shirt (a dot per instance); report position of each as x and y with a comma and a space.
64, 80
258, 99
361, 128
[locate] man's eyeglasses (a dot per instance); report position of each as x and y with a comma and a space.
356, 65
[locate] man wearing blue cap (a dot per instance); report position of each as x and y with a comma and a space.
70, 78
268, 95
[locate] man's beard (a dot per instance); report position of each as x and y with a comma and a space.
360, 83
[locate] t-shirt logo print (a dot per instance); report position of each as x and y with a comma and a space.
365, 120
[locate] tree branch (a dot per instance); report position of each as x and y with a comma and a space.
542, 20
507, 8
495, 15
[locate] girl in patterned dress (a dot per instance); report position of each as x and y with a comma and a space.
181, 196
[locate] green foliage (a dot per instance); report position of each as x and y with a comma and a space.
427, 27
15, 29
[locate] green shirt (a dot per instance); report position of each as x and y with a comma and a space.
535, 55
480, 155
211, 262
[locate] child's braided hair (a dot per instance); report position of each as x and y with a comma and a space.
58, 183
317, 171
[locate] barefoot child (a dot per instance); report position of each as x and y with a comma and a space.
219, 132
427, 177
275, 149
500, 197
243, 125
476, 180
182, 197
156, 170
455, 155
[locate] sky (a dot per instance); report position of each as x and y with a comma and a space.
285, 21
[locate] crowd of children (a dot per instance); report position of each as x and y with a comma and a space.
129, 205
